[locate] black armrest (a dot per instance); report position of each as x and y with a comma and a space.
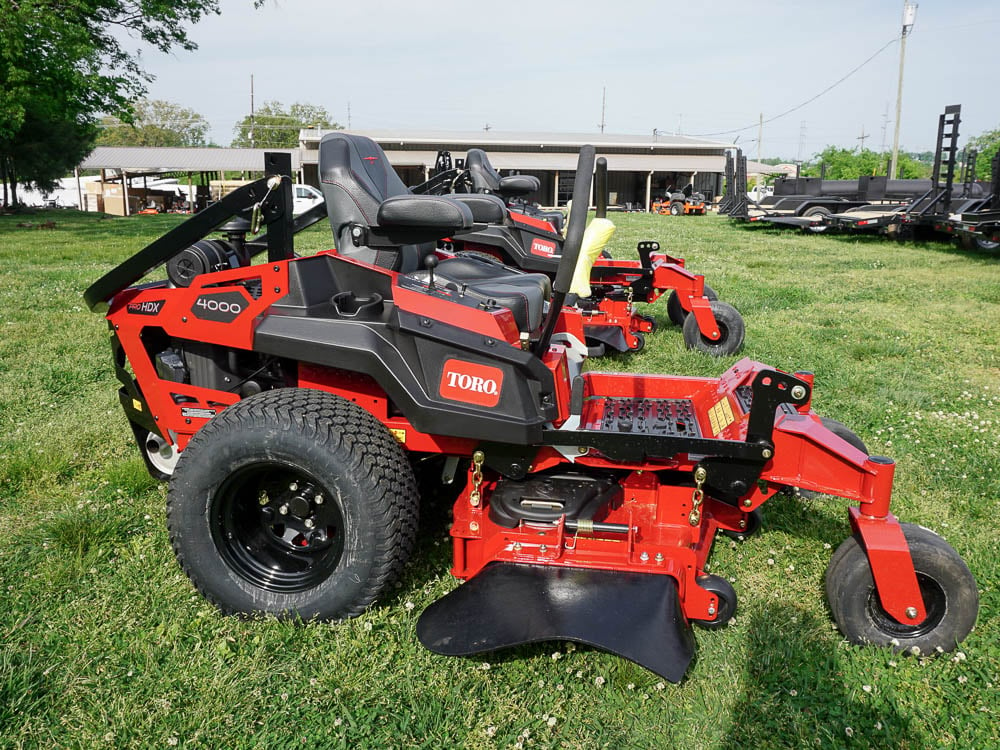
488, 209
429, 212
518, 184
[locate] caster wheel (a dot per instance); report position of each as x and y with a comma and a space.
755, 519
677, 313
731, 327
727, 601
948, 589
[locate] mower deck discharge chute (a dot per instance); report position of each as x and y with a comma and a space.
299, 393
529, 241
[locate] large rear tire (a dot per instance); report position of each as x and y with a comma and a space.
294, 503
948, 589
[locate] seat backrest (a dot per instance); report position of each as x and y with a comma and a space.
356, 178
484, 177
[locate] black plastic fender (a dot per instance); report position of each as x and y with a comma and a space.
634, 615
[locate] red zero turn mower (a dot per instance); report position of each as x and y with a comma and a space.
610, 319
289, 400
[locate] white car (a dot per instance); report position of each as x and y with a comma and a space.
305, 197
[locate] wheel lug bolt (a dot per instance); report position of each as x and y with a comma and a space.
283, 510
293, 486
318, 499
309, 523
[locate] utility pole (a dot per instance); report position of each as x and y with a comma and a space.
863, 138
251, 111
909, 16
802, 140
885, 127
604, 93
680, 123
486, 127
348, 115
760, 139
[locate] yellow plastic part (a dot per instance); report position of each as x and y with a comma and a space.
595, 239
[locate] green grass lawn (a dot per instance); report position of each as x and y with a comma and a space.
104, 642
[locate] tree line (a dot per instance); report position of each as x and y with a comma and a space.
67, 83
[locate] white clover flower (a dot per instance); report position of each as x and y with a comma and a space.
866, 688
793, 692
551, 721
409, 606
849, 731
556, 656
490, 731
630, 686
338, 721
963, 679
599, 681
660, 686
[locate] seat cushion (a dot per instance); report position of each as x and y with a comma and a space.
524, 294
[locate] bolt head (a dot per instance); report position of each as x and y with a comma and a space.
644, 556
283, 510
767, 453
473, 526
318, 499
747, 502
659, 557
293, 486
798, 392
309, 523
517, 546
711, 610
911, 612
544, 548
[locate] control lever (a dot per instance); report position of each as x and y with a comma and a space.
430, 263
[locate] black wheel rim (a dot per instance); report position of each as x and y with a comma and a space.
277, 526
723, 335
935, 603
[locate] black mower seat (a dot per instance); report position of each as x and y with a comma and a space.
364, 195
485, 179
524, 294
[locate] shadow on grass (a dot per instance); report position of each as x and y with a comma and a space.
796, 686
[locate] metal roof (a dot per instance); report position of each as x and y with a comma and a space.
564, 162
487, 138
143, 159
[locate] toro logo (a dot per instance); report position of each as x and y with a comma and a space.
544, 248
471, 383
149, 307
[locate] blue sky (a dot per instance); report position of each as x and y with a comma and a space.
697, 67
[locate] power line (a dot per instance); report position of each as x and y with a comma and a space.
807, 101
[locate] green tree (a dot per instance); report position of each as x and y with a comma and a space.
275, 127
155, 123
987, 144
65, 59
848, 164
